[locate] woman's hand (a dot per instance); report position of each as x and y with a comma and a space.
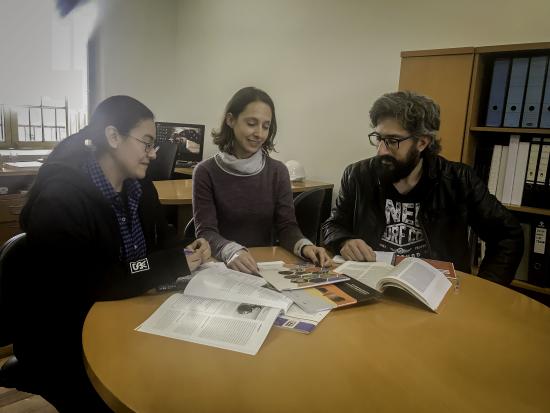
317, 255
200, 253
243, 261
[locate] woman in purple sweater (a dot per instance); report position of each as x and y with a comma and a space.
241, 196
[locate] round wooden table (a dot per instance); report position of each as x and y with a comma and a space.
488, 349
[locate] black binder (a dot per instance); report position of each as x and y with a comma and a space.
497, 94
539, 260
516, 92
533, 93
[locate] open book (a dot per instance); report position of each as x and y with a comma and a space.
219, 307
413, 275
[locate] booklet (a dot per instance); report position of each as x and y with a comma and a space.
413, 275
296, 276
219, 307
332, 296
298, 320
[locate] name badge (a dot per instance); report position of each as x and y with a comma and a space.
139, 265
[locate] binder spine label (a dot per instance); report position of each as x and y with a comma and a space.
539, 244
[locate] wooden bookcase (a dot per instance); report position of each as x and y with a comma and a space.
459, 80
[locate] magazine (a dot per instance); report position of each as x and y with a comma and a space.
333, 296
219, 307
413, 275
296, 276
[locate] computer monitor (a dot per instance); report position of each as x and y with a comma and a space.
188, 137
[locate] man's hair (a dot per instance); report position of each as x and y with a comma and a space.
417, 114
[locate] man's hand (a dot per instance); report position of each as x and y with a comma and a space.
357, 250
243, 261
317, 255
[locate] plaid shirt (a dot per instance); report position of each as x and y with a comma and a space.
133, 240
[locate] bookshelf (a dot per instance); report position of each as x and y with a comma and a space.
463, 94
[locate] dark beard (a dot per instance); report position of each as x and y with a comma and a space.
390, 170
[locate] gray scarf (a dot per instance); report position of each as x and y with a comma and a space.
235, 166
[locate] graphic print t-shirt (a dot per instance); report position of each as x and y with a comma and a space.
403, 233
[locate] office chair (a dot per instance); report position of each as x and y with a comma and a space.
189, 231
162, 168
12, 254
307, 207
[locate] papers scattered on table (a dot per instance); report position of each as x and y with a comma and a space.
298, 320
223, 324
221, 308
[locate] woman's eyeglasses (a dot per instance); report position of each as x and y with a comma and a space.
391, 142
149, 146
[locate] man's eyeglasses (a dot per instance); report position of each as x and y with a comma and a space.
149, 146
391, 141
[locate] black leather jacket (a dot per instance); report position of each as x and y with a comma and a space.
456, 199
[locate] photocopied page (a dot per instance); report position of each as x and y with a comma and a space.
422, 279
381, 256
217, 281
298, 320
222, 324
369, 273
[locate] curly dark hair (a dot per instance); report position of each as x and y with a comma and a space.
418, 114
225, 138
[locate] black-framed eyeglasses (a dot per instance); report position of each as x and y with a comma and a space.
149, 146
391, 141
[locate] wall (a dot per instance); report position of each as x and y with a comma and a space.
324, 62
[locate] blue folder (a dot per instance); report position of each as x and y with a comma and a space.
516, 92
497, 94
533, 94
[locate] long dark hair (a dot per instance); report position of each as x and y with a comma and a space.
122, 112
225, 137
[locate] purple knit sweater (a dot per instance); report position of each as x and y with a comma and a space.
250, 210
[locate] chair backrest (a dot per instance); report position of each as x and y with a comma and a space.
162, 168
307, 207
12, 256
189, 231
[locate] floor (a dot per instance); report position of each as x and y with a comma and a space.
14, 401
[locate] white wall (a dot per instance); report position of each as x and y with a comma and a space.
323, 62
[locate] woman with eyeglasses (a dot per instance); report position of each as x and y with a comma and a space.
95, 231
242, 197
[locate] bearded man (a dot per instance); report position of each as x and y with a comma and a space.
410, 200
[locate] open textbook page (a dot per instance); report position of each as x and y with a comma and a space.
215, 280
413, 275
223, 324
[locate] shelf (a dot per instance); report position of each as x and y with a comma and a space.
528, 210
531, 287
510, 130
